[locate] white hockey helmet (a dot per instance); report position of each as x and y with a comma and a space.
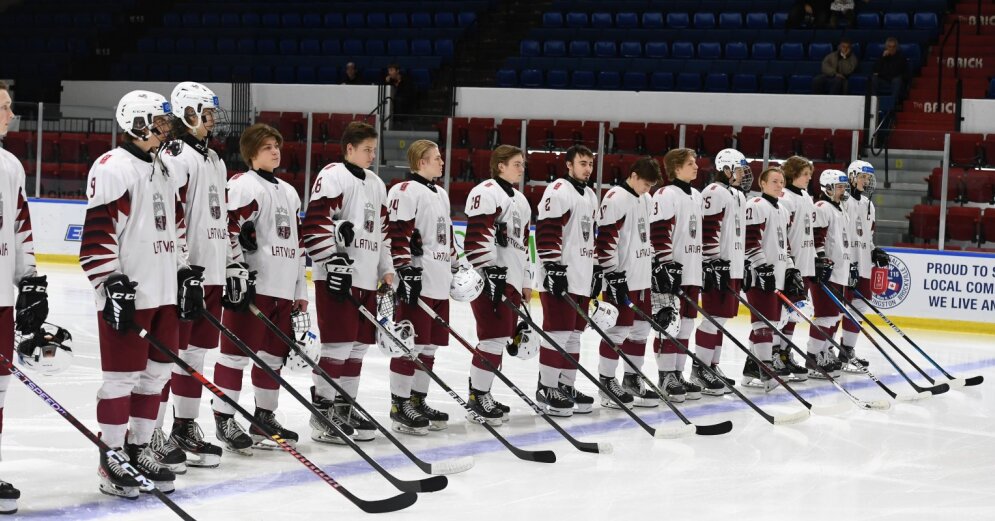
790, 315
667, 312
137, 110
603, 314
403, 332
525, 343
830, 180
193, 99
727, 161
862, 170
466, 285
307, 341
46, 351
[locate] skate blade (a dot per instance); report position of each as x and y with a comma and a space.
610, 404
411, 431
8, 506
715, 392
645, 402
798, 378
327, 439
166, 487
817, 376
493, 422
176, 468
364, 435
438, 425
242, 452
586, 408
264, 443
693, 395
559, 412
203, 461
116, 491
675, 398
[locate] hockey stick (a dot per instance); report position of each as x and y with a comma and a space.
954, 382
445, 467
539, 456
670, 432
923, 391
701, 430
773, 420
596, 448
829, 338
822, 410
432, 484
146, 483
391, 504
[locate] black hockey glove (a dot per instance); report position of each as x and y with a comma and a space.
555, 280
119, 304
854, 275
667, 277
495, 279
344, 233
597, 281
747, 276
338, 274
409, 284
794, 284
31, 308
190, 292
880, 258
501, 234
240, 287
247, 236
765, 278
416, 244
617, 288
823, 268
715, 274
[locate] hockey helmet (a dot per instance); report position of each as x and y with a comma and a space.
862, 170
45, 351
137, 111
603, 314
399, 338
525, 343
727, 161
831, 180
466, 285
667, 312
193, 101
307, 342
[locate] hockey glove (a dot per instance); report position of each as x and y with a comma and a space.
344, 233
555, 280
32, 303
338, 274
765, 278
190, 292
707, 276
240, 287
823, 268
716, 274
119, 304
794, 284
416, 244
247, 236
597, 281
495, 279
617, 288
667, 277
747, 276
880, 258
409, 284
501, 234
854, 275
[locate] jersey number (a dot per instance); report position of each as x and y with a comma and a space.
476, 202
749, 214
317, 185
708, 203
393, 205
93, 186
547, 204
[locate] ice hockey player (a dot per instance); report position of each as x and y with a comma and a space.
625, 254
265, 268
565, 244
421, 242
345, 232
30, 309
676, 233
200, 177
131, 248
723, 236
771, 269
497, 245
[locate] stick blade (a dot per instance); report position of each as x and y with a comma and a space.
939, 389
974, 380
393, 504
714, 429
672, 432
831, 410
877, 405
913, 397
452, 466
538, 456
432, 484
605, 448
795, 417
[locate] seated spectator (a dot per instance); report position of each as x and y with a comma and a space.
843, 9
837, 67
808, 14
402, 95
892, 70
351, 76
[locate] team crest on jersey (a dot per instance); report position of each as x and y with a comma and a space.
441, 231
368, 213
808, 224
585, 227
516, 224
159, 211
641, 226
282, 223
780, 237
739, 229
846, 241
693, 226
860, 228
214, 202
1, 211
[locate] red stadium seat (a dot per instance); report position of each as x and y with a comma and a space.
815, 143
783, 141
565, 134
480, 132
842, 145
750, 141
510, 132
965, 149
988, 226
628, 137
460, 132
715, 138
480, 162
924, 222
538, 133
658, 138
457, 197
988, 150
979, 186
542, 166
19, 144
954, 185
459, 163
962, 223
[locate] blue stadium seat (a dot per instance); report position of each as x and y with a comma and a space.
602, 21
683, 50
744, 83
652, 20
730, 21
557, 79
145, 45
772, 83
250, 20
792, 51
631, 49
576, 20
552, 19
172, 20
211, 20
330, 46
306, 75
857, 84
266, 46
375, 48
193, 20
709, 50
717, 82
506, 78
310, 47
178, 72
466, 18
926, 21
376, 20
763, 51
421, 47
662, 81
554, 48
529, 48
991, 89
444, 47
736, 51
421, 20
165, 45
328, 75
698, 66
288, 20
582, 80
532, 78
270, 20
224, 46
246, 46
580, 48
868, 21
353, 47
688, 82
873, 51
702, 21
289, 46
220, 73
285, 74
678, 20
422, 77
756, 21
819, 50
230, 20
604, 49
445, 19
634, 80
330, 20
397, 20
779, 20
184, 46
896, 21
609, 80
309, 20
657, 50
241, 73
397, 47
626, 20
800, 84
262, 74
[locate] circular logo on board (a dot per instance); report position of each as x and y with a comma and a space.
899, 284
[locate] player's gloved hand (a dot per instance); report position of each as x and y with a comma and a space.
854, 275
495, 280
880, 258
344, 233
31, 308
409, 284
597, 281
501, 234
555, 280
190, 292
765, 280
794, 284
416, 244
119, 304
667, 277
247, 236
716, 274
240, 287
823, 268
617, 288
338, 274
747, 276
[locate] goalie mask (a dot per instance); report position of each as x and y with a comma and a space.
525, 343
603, 314
667, 312
466, 285
732, 165
46, 351
306, 341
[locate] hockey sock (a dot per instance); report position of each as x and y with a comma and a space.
481, 377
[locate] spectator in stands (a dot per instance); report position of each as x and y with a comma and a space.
351, 76
845, 9
402, 92
837, 67
892, 69
808, 14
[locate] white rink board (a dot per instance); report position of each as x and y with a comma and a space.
57, 225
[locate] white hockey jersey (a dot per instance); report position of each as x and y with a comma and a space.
724, 227
862, 217
624, 236
801, 243
767, 236
17, 251
492, 205
418, 204
565, 232
273, 205
676, 229
200, 177
349, 193
132, 216
831, 232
